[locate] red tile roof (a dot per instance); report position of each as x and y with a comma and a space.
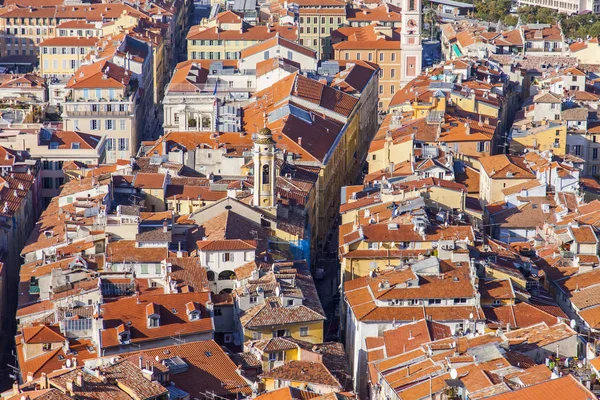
171, 308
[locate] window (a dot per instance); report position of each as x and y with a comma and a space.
497, 302
110, 144
558, 133
594, 154
153, 322
94, 125
393, 56
47, 183
304, 331
290, 302
370, 56
58, 182
373, 245
227, 257
434, 301
266, 55
290, 55
380, 56
122, 124
380, 89
460, 301
574, 78
358, 56
144, 269
480, 146
347, 56
157, 269
392, 89
253, 299
46, 165
123, 144
109, 124
47, 346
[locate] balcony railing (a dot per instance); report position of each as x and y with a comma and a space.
94, 113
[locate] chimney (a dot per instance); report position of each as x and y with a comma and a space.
467, 128
16, 388
70, 387
141, 363
300, 141
79, 380
43, 381
29, 376
165, 227
164, 147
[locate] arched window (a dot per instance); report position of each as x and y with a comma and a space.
210, 275
265, 174
411, 5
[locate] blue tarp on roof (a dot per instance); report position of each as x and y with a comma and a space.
456, 50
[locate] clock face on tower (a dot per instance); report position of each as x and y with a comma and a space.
412, 23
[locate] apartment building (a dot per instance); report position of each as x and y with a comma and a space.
224, 37
25, 28
63, 55
569, 7
373, 43
103, 98
23, 88
316, 22
53, 149
404, 295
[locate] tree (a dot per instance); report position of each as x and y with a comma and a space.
510, 20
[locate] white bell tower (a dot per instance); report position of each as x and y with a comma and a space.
411, 51
264, 170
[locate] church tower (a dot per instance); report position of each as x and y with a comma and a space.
264, 169
410, 41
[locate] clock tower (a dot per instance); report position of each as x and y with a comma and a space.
411, 52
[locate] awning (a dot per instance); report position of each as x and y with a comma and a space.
456, 50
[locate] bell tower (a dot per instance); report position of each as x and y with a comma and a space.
264, 169
411, 52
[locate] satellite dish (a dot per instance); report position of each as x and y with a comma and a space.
156, 358
573, 324
113, 360
453, 373
68, 363
471, 316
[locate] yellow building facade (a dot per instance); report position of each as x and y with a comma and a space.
546, 137
62, 56
311, 332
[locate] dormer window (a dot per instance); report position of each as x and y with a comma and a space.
193, 311
75, 146
53, 145
124, 337
153, 315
